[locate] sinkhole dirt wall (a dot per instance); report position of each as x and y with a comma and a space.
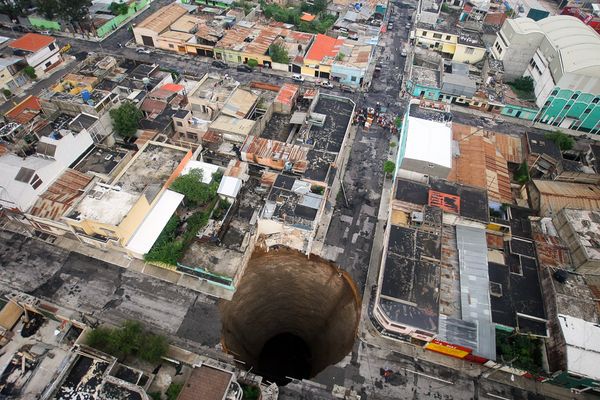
285, 293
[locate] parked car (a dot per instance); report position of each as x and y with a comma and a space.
298, 78
403, 53
219, 64
45, 33
390, 27
407, 26
142, 50
243, 68
326, 83
347, 89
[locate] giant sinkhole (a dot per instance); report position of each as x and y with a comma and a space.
291, 316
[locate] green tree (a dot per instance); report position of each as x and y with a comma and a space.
153, 347
6, 92
252, 63
118, 8
30, 72
126, 119
74, 11
48, 8
389, 167
279, 53
562, 140
191, 186
522, 173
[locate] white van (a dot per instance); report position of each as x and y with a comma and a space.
298, 78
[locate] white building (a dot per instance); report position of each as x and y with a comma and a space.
23, 180
425, 144
582, 340
39, 51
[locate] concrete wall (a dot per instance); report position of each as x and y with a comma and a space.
468, 54
517, 49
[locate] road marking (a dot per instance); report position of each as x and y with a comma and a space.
495, 396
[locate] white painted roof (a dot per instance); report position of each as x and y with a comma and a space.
429, 141
147, 233
583, 345
206, 168
577, 43
230, 186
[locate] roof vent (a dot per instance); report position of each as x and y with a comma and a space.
561, 275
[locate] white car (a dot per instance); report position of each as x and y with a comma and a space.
142, 50
326, 84
298, 78
403, 53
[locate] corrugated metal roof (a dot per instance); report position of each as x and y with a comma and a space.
161, 19
558, 195
474, 287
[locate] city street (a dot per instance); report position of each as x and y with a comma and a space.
111, 294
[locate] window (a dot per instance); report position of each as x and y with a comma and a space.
501, 37
437, 35
575, 96
424, 33
353, 79
52, 46
448, 37
179, 123
36, 181
49, 63
498, 48
192, 136
171, 46
470, 50
554, 92
567, 107
546, 104
595, 101
587, 111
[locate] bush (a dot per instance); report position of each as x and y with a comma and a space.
524, 84
252, 63
7, 93
445, 8
389, 167
130, 340
30, 72
527, 350
562, 140
173, 391
317, 189
166, 249
522, 173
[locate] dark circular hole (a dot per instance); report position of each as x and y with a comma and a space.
284, 356
291, 316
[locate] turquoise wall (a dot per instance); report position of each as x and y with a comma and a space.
519, 112
564, 103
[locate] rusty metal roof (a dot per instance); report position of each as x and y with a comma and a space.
57, 199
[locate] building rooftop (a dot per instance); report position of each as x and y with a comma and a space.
206, 383
583, 346
480, 164
60, 196
409, 293
537, 144
251, 40
475, 287
516, 296
240, 103
25, 111
291, 202
31, 42
557, 195
146, 174
160, 20
428, 141
586, 225
324, 49
577, 44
